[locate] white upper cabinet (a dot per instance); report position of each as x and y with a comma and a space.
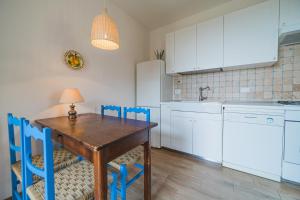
251, 35
245, 38
186, 49
170, 47
210, 44
289, 15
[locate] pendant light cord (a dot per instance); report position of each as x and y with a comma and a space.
105, 5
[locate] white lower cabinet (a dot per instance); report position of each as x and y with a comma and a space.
182, 131
195, 133
207, 136
165, 124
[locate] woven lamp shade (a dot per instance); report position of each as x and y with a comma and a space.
105, 34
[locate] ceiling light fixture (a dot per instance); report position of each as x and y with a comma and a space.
105, 34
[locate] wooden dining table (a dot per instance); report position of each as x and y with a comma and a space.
101, 139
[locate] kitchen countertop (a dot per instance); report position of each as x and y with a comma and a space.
253, 103
259, 107
246, 103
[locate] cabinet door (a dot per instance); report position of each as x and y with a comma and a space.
185, 49
165, 126
292, 142
155, 132
181, 132
289, 15
210, 44
207, 136
251, 35
170, 48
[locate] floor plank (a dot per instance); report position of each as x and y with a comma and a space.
180, 177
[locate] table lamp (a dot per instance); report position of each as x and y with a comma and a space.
71, 96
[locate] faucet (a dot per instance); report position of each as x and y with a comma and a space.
201, 89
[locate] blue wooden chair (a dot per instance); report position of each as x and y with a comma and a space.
73, 182
112, 108
61, 156
131, 158
13, 122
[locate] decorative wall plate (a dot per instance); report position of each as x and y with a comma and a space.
74, 60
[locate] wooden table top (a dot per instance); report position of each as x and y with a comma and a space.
95, 131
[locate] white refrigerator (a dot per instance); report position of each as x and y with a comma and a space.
152, 87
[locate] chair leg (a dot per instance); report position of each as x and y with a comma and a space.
14, 186
123, 172
113, 186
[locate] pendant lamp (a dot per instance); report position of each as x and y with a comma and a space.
105, 34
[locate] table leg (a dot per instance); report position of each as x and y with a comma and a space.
147, 167
100, 176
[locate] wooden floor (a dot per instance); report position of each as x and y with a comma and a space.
180, 177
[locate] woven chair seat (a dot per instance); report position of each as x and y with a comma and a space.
75, 182
61, 158
131, 157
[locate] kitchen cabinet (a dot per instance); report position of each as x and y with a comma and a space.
210, 44
182, 131
292, 142
165, 123
251, 35
194, 128
244, 38
170, 48
289, 15
207, 136
186, 49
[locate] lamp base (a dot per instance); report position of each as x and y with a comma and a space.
72, 113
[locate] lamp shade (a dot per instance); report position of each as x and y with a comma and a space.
71, 95
105, 34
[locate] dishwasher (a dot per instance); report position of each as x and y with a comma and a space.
253, 139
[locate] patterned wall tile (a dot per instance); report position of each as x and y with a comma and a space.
279, 82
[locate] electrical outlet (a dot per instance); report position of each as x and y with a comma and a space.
177, 91
245, 89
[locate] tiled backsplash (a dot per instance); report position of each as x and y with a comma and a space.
279, 82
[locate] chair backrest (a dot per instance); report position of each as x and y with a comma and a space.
13, 122
47, 173
137, 110
112, 108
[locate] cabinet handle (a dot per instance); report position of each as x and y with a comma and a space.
250, 117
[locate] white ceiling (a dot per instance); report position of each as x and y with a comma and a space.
156, 13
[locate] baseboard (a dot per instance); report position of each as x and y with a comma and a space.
270, 176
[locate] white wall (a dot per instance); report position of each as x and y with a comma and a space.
157, 36
34, 35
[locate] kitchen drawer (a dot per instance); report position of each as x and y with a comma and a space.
270, 120
292, 115
72, 145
